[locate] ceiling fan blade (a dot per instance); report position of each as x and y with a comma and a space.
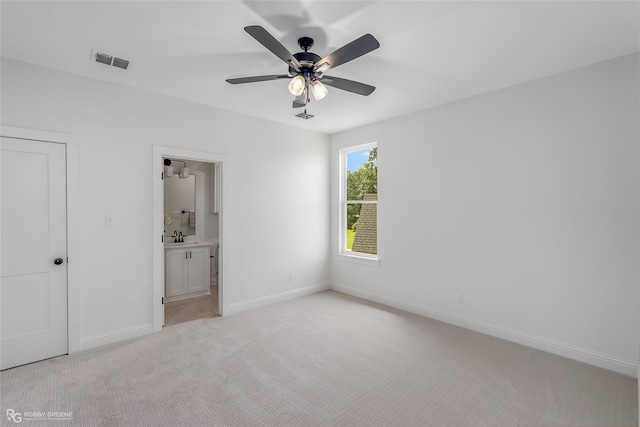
270, 42
348, 85
349, 52
258, 78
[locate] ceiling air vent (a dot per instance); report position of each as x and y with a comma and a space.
304, 115
107, 59
120, 63
103, 58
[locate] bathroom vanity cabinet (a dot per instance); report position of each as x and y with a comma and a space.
187, 270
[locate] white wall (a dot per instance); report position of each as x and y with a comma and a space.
277, 213
526, 201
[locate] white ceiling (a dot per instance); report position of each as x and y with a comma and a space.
431, 52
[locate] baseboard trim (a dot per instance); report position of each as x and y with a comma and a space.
601, 360
115, 336
281, 296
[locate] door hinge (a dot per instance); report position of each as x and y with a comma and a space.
162, 238
161, 175
163, 300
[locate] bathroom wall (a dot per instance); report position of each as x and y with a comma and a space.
206, 226
205, 192
207, 222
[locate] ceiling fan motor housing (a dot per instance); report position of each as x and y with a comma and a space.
306, 60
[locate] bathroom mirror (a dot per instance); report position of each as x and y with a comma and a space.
180, 205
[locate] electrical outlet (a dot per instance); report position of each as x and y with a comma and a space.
291, 277
460, 298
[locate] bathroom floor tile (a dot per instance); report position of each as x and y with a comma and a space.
192, 308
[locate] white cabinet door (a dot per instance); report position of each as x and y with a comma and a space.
199, 267
176, 272
34, 258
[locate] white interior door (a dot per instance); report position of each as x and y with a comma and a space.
33, 290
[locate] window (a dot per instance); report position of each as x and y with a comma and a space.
359, 201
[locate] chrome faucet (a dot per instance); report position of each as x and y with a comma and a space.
180, 237
175, 236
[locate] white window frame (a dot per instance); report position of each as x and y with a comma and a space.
347, 255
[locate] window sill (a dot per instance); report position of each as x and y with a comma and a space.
359, 259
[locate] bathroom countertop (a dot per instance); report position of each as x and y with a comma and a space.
172, 245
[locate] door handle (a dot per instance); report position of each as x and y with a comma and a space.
58, 261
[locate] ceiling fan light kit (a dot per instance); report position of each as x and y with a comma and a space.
318, 89
306, 69
297, 85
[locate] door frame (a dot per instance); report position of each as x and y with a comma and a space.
74, 249
222, 160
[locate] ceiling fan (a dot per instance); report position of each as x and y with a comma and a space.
306, 69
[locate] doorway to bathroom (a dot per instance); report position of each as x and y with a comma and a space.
188, 224
190, 218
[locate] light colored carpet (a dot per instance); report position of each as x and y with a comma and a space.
321, 360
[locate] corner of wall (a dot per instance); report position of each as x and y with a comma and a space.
279, 297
